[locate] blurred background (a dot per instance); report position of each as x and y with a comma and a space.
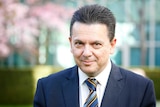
34, 42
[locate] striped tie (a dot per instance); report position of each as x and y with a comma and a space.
92, 100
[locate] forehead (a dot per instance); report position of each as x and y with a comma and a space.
90, 31
90, 26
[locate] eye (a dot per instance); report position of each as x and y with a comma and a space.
78, 44
97, 45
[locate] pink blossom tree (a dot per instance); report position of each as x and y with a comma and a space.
20, 24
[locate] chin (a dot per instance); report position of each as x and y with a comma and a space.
89, 72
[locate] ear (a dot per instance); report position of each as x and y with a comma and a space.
70, 41
113, 44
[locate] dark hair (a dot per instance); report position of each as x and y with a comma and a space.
91, 14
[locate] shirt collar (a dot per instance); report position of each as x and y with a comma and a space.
102, 78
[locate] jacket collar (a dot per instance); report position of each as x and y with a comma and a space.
71, 88
113, 88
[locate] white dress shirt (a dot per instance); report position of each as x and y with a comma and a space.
102, 78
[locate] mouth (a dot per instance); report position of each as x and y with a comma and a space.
87, 63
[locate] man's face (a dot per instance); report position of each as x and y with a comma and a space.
91, 47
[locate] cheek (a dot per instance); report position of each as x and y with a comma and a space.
102, 54
76, 52
103, 57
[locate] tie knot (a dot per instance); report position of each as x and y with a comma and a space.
91, 83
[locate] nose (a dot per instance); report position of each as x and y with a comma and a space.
87, 52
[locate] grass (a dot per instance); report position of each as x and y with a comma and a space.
16, 106
158, 105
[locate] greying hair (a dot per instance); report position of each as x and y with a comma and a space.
91, 14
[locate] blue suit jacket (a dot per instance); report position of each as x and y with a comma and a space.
124, 89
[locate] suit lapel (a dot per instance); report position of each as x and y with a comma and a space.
70, 89
113, 89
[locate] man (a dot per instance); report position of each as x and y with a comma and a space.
94, 80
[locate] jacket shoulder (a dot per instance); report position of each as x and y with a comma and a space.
60, 75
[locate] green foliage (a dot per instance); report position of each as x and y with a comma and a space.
155, 76
16, 106
147, 69
16, 86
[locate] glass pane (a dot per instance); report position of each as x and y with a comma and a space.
135, 57
157, 56
157, 32
117, 57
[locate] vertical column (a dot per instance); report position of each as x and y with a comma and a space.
126, 48
152, 34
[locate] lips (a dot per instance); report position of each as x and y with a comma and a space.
86, 62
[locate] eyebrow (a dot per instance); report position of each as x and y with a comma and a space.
77, 40
96, 41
